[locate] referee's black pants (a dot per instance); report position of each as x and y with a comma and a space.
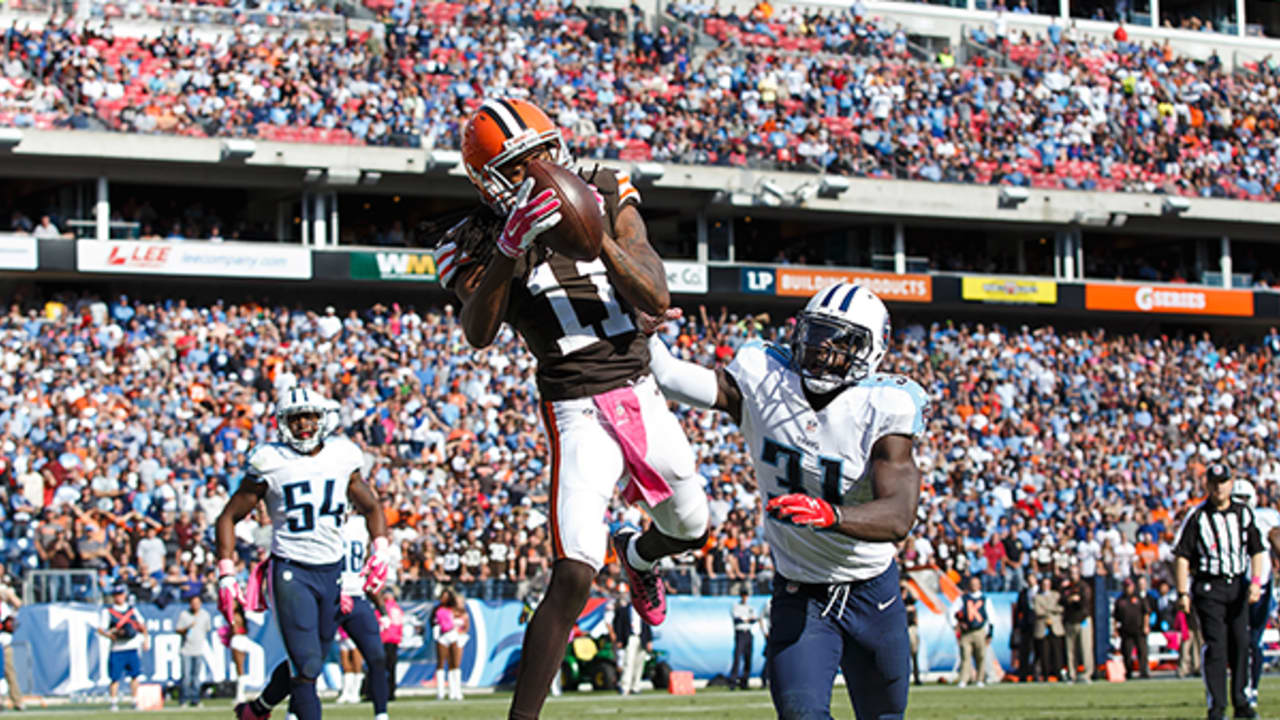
1222, 606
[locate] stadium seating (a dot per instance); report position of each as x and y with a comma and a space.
821, 92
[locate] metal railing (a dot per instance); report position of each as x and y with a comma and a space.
50, 586
116, 229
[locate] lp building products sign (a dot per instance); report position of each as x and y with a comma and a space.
408, 266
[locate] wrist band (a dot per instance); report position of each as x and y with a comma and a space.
226, 566
1258, 580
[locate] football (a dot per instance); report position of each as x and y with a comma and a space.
581, 226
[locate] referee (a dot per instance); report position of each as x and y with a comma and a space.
1219, 570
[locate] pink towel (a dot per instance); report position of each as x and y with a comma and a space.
256, 592
620, 409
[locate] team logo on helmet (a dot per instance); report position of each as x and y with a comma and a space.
502, 130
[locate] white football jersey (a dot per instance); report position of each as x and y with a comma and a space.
822, 453
355, 548
1266, 518
307, 497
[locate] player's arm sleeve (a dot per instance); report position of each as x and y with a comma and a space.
1185, 545
1254, 538
627, 192
685, 382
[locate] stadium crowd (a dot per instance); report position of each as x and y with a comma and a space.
825, 90
124, 426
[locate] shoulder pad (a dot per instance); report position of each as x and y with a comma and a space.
752, 361
265, 459
901, 401
350, 452
616, 189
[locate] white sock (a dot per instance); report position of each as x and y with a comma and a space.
347, 679
240, 690
633, 556
440, 683
455, 683
356, 680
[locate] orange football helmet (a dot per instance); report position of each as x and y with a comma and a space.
502, 130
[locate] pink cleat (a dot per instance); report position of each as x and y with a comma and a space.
245, 711
648, 592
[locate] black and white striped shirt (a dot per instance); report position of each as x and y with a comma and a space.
1219, 543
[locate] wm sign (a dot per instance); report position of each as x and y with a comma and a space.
412, 266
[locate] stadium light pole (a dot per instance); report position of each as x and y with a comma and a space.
320, 231
102, 211
1224, 261
899, 249
306, 218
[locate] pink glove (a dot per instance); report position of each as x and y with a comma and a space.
528, 220
230, 594
377, 566
224, 634
346, 603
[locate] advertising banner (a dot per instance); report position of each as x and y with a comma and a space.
758, 281
196, 257
18, 252
1186, 299
1009, 290
405, 266
70, 657
686, 277
795, 282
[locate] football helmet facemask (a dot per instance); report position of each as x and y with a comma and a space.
297, 401
839, 338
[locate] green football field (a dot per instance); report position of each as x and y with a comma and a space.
1158, 698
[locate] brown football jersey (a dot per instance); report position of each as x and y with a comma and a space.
581, 331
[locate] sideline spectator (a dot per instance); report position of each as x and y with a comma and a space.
194, 625
973, 621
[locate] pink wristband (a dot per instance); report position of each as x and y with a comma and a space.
226, 566
1259, 580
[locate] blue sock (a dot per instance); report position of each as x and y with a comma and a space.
379, 690
305, 702
276, 691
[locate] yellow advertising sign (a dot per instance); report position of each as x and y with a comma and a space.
1009, 290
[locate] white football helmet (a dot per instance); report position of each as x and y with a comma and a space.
1242, 491
839, 338
301, 400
